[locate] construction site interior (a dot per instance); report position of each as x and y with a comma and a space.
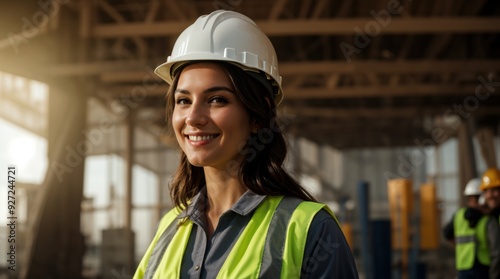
390, 108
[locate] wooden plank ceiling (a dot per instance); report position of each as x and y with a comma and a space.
376, 73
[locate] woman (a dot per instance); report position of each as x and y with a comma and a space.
237, 213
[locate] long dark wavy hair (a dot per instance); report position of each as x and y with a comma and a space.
262, 169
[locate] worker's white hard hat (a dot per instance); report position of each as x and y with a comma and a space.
481, 201
225, 36
473, 187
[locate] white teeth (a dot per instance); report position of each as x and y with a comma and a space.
201, 138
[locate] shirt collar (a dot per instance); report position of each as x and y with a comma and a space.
244, 206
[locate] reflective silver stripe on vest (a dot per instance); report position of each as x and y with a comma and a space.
272, 257
465, 239
159, 250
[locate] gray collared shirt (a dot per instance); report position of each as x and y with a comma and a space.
327, 254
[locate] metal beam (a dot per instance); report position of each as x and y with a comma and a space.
422, 25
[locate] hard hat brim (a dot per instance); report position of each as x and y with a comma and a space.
167, 70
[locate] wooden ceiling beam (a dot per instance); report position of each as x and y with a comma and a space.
152, 11
356, 123
319, 8
276, 9
134, 70
173, 7
152, 88
365, 140
376, 66
113, 13
304, 8
392, 112
378, 91
91, 68
459, 25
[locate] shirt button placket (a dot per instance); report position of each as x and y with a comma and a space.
197, 272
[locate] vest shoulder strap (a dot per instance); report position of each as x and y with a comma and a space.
296, 238
163, 233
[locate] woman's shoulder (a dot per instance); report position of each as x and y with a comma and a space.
324, 219
324, 215
311, 215
319, 210
169, 217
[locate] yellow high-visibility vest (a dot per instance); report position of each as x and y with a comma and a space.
163, 258
470, 242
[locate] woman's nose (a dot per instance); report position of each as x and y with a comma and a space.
197, 115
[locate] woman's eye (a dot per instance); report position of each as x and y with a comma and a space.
218, 100
182, 101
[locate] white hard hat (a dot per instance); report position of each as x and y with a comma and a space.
481, 201
224, 36
473, 187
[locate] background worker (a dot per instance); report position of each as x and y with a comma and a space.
490, 185
467, 229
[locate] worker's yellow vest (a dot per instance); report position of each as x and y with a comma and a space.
470, 242
246, 257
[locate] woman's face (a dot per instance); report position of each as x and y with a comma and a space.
209, 120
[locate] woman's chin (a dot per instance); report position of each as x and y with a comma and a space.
199, 162
196, 163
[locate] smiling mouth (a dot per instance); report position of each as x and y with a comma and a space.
202, 138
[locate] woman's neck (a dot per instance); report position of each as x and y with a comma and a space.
223, 190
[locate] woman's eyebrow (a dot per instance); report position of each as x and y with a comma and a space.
183, 91
208, 90
218, 88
